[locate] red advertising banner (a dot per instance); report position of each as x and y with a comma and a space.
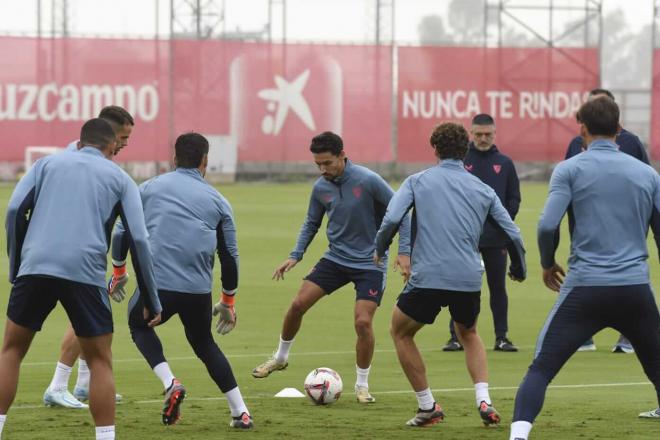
264, 101
49, 87
533, 94
654, 151
272, 99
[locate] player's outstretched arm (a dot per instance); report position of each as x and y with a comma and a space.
132, 217
499, 217
288, 264
559, 198
383, 193
310, 227
397, 211
227, 248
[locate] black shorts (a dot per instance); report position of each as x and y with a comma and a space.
330, 276
423, 305
33, 297
194, 310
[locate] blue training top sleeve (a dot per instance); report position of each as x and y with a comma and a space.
17, 220
120, 244
227, 247
383, 194
499, 217
132, 217
395, 218
559, 198
120, 240
312, 223
655, 216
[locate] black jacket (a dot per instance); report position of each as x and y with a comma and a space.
497, 171
627, 142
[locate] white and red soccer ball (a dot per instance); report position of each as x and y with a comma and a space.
323, 386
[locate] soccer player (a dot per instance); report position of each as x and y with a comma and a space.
57, 240
449, 207
485, 161
630, 144
57, 393
355, 199
187, 220
614, 199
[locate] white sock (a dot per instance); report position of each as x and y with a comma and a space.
61, 377
425, 399
520, 430
105, 432
236, 404
3, 417
362, 376
164, 373
481, 390
283, 351
83, 374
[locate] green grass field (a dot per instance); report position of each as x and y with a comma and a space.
596, 396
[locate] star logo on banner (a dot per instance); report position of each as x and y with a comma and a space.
286, 96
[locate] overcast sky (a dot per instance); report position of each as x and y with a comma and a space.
342, 20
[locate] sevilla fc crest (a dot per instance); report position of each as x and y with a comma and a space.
497, 168
357, 192
469, 167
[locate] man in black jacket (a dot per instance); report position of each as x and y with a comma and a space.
497, 171
630, 144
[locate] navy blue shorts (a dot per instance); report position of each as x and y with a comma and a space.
423, 305
33, 297
330, 276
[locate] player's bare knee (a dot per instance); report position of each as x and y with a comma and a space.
465, 333
397, 333
298, 308
363, 326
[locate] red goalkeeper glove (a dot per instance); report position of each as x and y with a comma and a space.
227, 318
117, 282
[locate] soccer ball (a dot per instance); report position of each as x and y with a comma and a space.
323, 386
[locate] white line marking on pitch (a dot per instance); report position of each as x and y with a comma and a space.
438, 390
250, 355
435, 390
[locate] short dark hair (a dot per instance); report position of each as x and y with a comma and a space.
600, 116
97, 132
450, 140
483, 119
116, 114
189, 149
327, 142
602, 92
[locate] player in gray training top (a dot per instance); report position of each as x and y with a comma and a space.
58, 225
355, 199
187, 220
57, 393
614, 198
450, 207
